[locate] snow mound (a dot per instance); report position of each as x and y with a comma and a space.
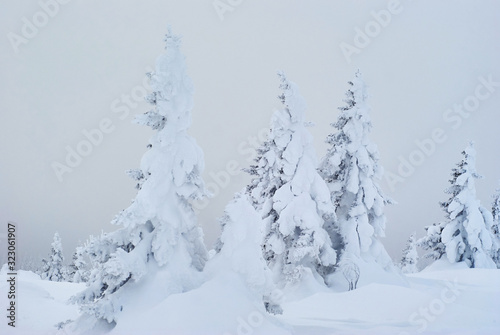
370, 272
41, 304
444, 299
453, 301
223, 305
444, 264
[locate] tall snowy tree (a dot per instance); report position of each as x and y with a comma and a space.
466, 233
495, 228
410, 256
159, 235
351, 170
290, 195
54, 268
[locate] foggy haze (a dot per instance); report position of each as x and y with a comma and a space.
433, 77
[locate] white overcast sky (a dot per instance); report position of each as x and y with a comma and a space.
91, 54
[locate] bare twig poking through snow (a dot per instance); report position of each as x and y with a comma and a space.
350, 270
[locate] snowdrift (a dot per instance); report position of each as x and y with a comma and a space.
442, 299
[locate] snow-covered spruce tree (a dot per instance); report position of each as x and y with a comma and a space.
44, 269
410, 256
465, 234
77, 270
159, 237
291, 196
432, 241
495, 228
71, 269
98, 249
351, 170
54, 270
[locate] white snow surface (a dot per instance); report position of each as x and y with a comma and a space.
444, 298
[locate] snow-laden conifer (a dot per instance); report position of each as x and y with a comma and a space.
54, 266
159, 236
290, 195
78, 269
410, 256
432, 241
465, 235
351, 170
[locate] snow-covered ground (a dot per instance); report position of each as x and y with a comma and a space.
442, 299
439, 300
41, 304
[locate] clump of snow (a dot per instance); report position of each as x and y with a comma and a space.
240, 247
444, 264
